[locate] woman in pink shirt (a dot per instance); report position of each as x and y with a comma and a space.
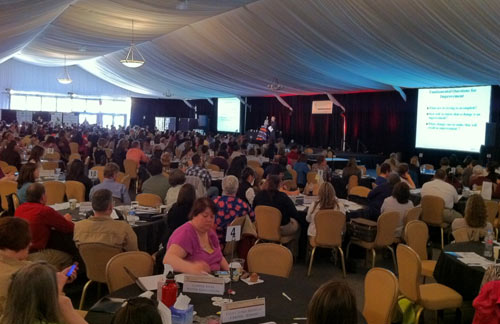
194, 247
136, 154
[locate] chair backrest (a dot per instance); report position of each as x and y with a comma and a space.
9, 169
294, 176
3, 164
409, 269
74, 156
432, 210
149, 200
15, 201
269, 258
130, 167
230, 246
100, 172
416, 236
267, 223
213, 167
413, 214
359, 191
377, 169
311, 177
96, 257
260, 172
253, 164
386, 226
198, 186
491, 210
468, 234
73, 146
381, 295
139, 263
289, 185
52, 156
427, 166
7, 188
353, 182
75, 190
123, 179
329, 225
55, 192
308, 151
50, 165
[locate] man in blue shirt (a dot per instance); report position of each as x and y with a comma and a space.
385, 170
118, 190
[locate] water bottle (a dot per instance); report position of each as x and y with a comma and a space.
488, 245
131, 217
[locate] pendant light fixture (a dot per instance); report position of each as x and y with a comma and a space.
134, 58
64, 77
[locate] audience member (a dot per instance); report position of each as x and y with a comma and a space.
327, 201
403, 172
194, 247
238, 163
385, 170
477, 177
377, 196
11, 155
77, 173
138, 310
28, 175
398, 202
393, 161
302, 169
469, 164
351, 169
36, 154
197, 170
136, 154
157, 184
178, 214
120, 153
438, 187
414, 170
245, 189
176, 179
322, 166
229, 207
475, 216
118, 190
333, 303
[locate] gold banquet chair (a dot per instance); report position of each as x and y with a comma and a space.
381, 296
55, 191
73, 146
267, 223
50, 165
139, 263
416, 236
413, 214
432, 213
7, 188
75, 190
213, 167
353, 182
329, 226
434, 297
100, 172
359, 191
95, 256
253, 164
148, 200
269, 258
386, 226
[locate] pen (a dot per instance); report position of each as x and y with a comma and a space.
286, 296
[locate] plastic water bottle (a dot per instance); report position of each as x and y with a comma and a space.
131, 217
488, 245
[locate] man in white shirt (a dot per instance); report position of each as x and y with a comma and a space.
438, 187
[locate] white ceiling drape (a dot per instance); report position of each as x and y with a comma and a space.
217, 48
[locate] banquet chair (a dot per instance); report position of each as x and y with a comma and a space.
50, 165
353, 182
74, 156
131, 169
100, 172
416, 236
3, 164
55, 191
271, 259
468, 234
95, 256
139, 263
294, 176
7, 188
75, 190
52, 156
148, 200
329, 226
432, 214
434, 297
386, 226
311, 177
123, 179
9, 169
413, 214
73, 146
15, 201
381, 296
253, 164
267, 223
260, 172
213, 167
359, 191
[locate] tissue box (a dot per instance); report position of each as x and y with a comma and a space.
182, 316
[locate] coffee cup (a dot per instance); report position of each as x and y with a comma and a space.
72, 204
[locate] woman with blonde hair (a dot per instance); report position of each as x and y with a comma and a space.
475, 216
35, 296
327, 200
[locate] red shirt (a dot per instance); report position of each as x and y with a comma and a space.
42, 219
487, 304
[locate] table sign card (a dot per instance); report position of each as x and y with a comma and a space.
93, 174
243, 310
233, 233
203, 285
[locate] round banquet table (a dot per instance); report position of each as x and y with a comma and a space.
278, 308
451, 272
149, 233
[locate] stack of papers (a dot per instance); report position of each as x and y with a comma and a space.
351, 205
60, 206
472, 259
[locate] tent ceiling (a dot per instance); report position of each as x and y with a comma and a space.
217, 48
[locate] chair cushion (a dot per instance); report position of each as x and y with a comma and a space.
428, 268
438, 297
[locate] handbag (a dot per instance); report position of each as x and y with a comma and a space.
363, 229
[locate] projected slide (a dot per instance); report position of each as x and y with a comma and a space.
453, 118
228, 115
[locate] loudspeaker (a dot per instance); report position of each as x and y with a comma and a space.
491, 134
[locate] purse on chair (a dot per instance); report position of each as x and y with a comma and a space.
362, 229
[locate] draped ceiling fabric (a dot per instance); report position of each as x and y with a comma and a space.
220, 48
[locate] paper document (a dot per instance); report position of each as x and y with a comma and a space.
150, 282
60, 206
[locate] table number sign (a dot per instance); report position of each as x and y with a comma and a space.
233, 233
93, 174
243, 310
203, 285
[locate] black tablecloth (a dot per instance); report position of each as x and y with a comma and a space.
149, 233
449, 271
278, 308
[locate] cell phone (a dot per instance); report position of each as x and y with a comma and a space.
71, 270
16, 174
